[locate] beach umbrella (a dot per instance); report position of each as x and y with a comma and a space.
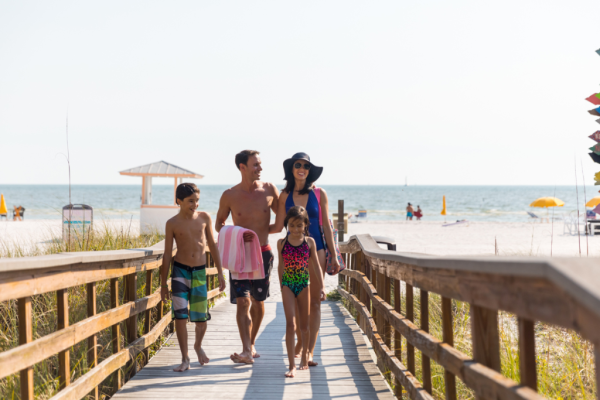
545, 202
598, 51
444, 206
595, 136
598, 120
593, 202
594, 100
596, 209
595, 112
3, 209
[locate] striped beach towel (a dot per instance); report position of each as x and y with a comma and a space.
243, 260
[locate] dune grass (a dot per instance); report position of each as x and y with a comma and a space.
44, 309
565, 361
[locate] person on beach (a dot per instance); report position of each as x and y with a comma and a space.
192, 231
250, 203
297, 256
300, 175
409, 212
419, 213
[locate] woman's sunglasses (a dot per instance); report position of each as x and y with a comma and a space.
300, 165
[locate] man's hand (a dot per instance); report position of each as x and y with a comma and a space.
222, 283
164, 293
248, 237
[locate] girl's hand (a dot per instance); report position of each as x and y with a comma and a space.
323, 297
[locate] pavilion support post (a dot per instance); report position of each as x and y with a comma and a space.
175, 192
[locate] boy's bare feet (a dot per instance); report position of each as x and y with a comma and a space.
241, 358
185, 365
254, 353
291, 373
202, 359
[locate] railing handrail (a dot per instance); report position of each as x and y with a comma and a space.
83, 257
579, 277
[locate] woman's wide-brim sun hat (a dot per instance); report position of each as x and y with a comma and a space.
313, 174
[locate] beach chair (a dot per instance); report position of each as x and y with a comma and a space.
18, 213
532, 215
362, 215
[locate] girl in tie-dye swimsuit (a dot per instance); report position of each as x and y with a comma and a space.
297, 253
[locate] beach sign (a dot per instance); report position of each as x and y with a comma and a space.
77, 219
594, 99
595, 136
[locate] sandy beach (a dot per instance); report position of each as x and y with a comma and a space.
513, 238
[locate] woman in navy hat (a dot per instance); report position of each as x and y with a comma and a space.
300, 175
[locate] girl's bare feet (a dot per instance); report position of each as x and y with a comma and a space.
298, 350
254, 353
303, 363
202, 359
291, 373
185, 365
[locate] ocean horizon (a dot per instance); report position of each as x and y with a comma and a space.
382, 202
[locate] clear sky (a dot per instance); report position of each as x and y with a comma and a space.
444, 92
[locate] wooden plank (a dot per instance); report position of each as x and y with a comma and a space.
397, 336
387, 289
425, 362
486, 340
93, 378
92, 342
14, 286
410, 314
36, 351
116, 330
64, 363
527, 365
131, 323
147, 313
25, 336
448, 337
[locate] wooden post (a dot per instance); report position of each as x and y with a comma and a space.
527, 353
340, 226
116, 330
410, 315
64, 363
374, 283
92, 342
147, 313
597, 360
131, 324
25, 336
397, 337
448, 337
425, 361
386, 289
485, 338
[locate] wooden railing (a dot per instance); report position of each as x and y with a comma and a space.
563, 292
22, 278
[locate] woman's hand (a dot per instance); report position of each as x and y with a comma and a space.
335, 265
323, 297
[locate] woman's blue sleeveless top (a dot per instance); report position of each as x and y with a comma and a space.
312, 207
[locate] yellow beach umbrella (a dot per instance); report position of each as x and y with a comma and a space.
545, 202
3, 209
593, 202
444, 206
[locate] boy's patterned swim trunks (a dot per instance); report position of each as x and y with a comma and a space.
189, 286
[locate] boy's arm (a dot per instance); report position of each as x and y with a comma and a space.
167, 256
214, 251
314, 261
223, 213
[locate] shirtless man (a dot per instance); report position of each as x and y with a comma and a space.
409, 212
250, 203
192, 232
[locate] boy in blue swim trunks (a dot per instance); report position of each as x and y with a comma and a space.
192, 231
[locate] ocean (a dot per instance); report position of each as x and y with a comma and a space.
383, 203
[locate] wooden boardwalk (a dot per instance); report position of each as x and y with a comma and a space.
346, 369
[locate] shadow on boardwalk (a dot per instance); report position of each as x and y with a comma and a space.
345, 371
